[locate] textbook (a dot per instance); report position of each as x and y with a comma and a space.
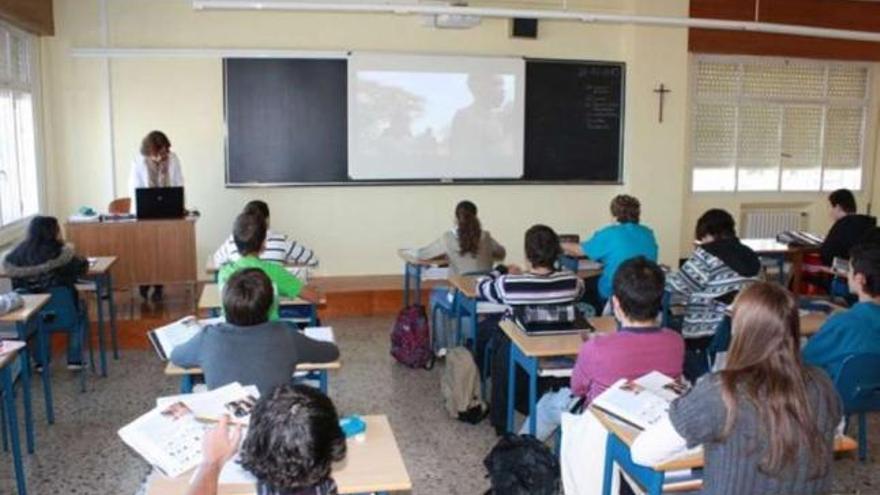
165, 339
641, 402
170, 435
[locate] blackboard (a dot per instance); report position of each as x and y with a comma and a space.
574, 121
286, 123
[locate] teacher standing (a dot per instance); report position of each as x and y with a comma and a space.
157, 166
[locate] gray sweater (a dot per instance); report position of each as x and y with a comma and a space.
488, 251
264, 355
732, 465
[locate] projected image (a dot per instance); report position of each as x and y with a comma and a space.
427, 124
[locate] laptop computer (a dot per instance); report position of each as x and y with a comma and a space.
572, 322
159, 202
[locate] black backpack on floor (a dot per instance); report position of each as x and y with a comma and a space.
522, 465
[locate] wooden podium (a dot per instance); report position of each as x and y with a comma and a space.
149, 252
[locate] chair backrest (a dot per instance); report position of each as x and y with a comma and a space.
568, 263
61, 310
858, 383
120, 206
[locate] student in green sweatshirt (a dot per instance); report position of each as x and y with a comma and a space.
249, 233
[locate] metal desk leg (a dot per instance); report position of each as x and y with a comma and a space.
25, 374
618, 452
313, 315
99, 289
323, 380
418, 283
46, 374
406, 284
12, 425
472, 307
111, 303
530, 365
186, 384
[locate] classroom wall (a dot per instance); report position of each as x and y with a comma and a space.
355, 230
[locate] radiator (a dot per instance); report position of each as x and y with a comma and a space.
765, 224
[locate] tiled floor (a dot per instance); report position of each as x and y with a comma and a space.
81, 453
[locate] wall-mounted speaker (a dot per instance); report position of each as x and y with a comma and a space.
524, 28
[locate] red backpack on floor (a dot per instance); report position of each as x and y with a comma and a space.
411, 338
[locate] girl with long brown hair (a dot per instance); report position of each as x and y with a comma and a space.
767, 421
469, 250
468, 247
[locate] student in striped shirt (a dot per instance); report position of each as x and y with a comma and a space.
279, 248
541, 294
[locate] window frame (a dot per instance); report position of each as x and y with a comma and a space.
13, 230
867, 105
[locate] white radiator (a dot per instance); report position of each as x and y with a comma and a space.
766, 224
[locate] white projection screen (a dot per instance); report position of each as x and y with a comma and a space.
435, 117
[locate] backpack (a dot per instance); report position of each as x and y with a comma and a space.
411, 338
460, 387
522, 465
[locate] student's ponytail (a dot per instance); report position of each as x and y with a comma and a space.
469, 229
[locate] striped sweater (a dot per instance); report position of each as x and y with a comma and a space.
279, 249
537, 298
707, 281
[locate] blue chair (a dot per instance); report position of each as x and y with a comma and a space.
858, 384
569, 263
62, 314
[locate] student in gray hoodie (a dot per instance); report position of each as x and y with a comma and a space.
249, 348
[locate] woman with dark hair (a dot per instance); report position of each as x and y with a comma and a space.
767, 421
292, 442
156, 166
42, 262
613, 245
469, 248
709, 280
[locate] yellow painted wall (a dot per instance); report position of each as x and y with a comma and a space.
355, 230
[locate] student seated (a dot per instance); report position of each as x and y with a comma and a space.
249, 348
43, 262
767, 421
279, 248
637, 348
249, 233
292, 442
469, 249
709, 280
856, 330
614, 244
545, 294
849, 227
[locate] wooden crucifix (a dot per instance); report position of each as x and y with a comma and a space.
661, 93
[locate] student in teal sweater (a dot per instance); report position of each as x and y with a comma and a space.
613, 245
856, 330
249, 233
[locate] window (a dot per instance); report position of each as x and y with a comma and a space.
19, 183
777, 125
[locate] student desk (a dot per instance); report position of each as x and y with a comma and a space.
412, 267
99, 273
319, 369
210, 302
617, 451
372, 466
149, 252
23, 318
771, 248
7, 362
526, 351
